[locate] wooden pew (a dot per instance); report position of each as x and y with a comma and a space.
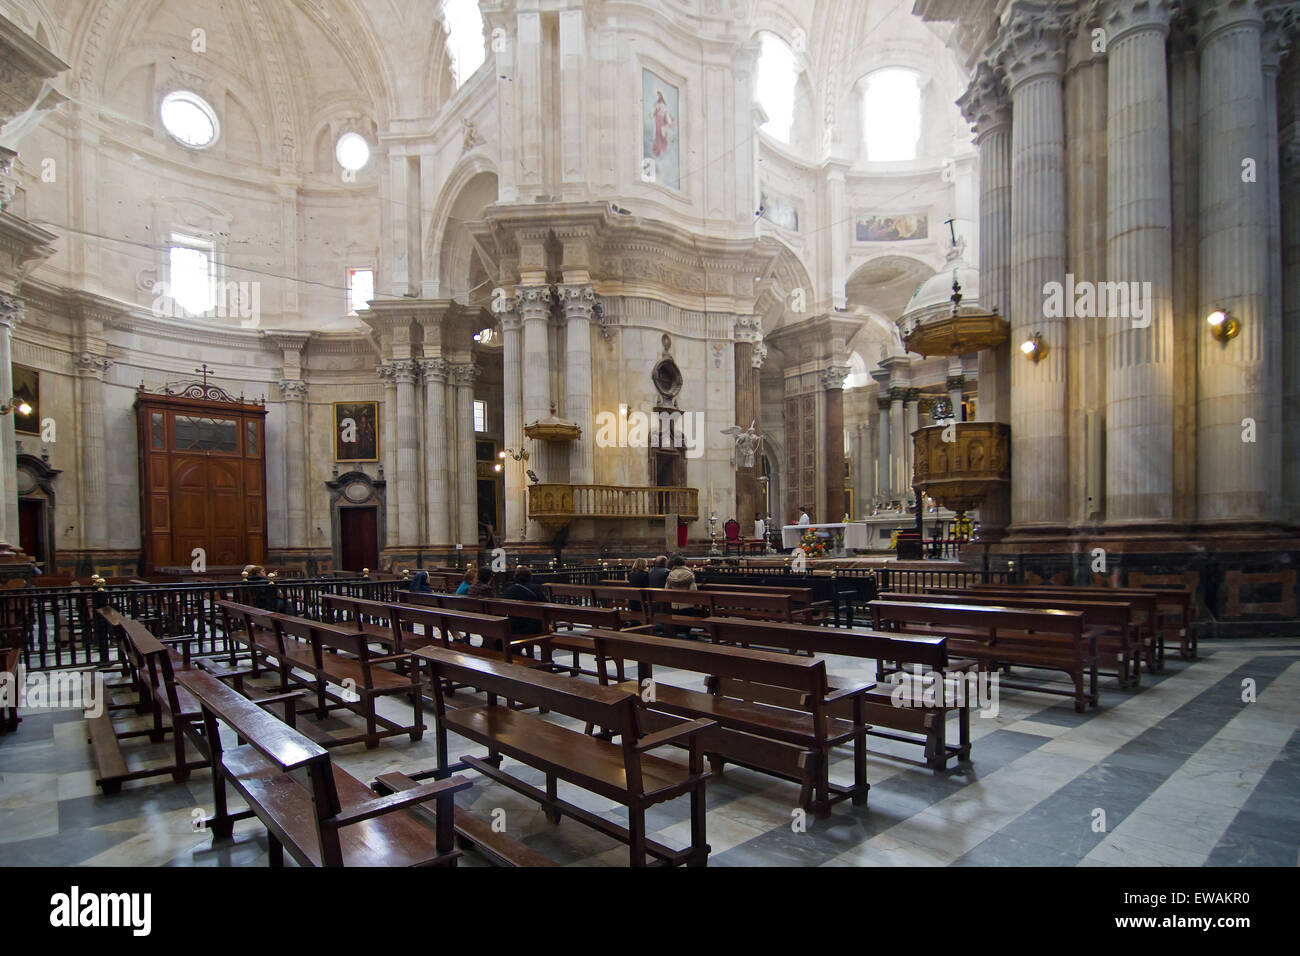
804, 608
337, 656
626, 773
1122, 637
908, 715
1042, 638
330, 820
772, 710
1172, 619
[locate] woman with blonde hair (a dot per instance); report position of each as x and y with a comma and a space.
468, 580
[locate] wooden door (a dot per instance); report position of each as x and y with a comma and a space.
31, 524
358, 538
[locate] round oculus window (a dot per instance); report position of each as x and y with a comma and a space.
189, 119
352, 151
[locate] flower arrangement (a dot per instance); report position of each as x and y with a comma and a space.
812, 545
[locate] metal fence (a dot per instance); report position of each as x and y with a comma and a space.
58, 627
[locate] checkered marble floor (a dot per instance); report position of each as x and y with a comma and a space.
1180, 773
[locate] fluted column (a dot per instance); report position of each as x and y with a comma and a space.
514, 424
1291, 314
911, 422
466, 470
438, 517
987, 108
11, 314
898, 441
294, 393
1236, 480
393, 502
577, 301
1031, 54
884, 477
94, 466
832, 381
534, 309
1139, 250
408, 454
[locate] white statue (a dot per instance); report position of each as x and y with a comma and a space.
748, 442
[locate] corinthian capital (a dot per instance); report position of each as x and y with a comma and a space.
577, 300
985, 104
406, 371
293, 390
90, 364
463, 375
534, 301
1031, 42
386, 373
834, 376
12, 310
749, 328
435, 369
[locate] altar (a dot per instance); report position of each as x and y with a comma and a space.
840, 537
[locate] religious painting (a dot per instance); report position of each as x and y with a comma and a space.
356, 431
660, 149
871, 228
27, 388
779, 211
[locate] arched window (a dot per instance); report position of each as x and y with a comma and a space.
859, 376
464, 38
891, 115
774, 86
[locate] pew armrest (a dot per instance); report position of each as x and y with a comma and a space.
405, 798
386, 658
849, 692
669, 734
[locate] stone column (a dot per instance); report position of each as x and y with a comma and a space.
1031, 55
388, 464
884, 472
94, 467
1236, 479
839, 232
514, 483
466, 469
294, 393
1139, 250
986, 107
408, 454
833, 383
911, 422
534, 307
1290, 155
11, 314
1280, 21
748, 363
577, 301
437, 501
899, 442
956, 384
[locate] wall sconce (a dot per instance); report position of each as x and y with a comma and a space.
520, 455
15, 404
1223, 326
1034, 348
497, 467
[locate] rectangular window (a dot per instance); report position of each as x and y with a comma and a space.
480, 416
252, 439
361, 289
206, 434
158, 438
190, 277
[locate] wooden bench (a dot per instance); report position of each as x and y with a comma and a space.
910, 715
626, 773
773, 711
1172, 615
1004, 636
804, 608
328, 819
1122, 637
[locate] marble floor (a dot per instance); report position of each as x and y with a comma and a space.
1183, 772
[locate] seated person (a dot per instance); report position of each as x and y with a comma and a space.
467, 582
420, 583
522, 589
659, 573
682, 578
483, 586
638, 577
261, 593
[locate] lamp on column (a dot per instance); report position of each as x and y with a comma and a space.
1034, 348
520, 455
15, 404
1223, 326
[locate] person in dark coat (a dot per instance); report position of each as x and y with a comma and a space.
523, 589
420, 583
483, 587
658, 575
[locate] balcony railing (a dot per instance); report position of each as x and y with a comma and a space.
556, 504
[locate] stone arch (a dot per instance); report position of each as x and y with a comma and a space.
450, 255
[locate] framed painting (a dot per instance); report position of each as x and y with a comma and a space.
872, 228
27, 388
660, 146
356, 431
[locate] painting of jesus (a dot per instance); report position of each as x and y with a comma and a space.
660, 147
